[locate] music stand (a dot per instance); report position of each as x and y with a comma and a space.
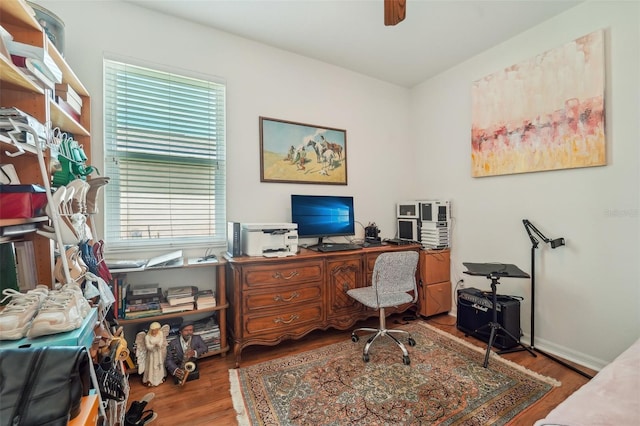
494, 271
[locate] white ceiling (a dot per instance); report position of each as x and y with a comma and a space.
436, 34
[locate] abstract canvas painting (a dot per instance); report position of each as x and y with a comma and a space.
546, 113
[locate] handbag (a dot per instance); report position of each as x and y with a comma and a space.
42, 386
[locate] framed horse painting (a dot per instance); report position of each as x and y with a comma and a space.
302, 153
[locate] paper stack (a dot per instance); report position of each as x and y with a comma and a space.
180, 298
205, 299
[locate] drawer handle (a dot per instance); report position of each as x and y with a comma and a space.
279, 298
345, 287
279, 275
289, 321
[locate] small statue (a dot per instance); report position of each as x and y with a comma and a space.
184, 350
151, 351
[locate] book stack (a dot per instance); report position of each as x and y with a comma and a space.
208, 329
33, 69
180, 299
119, 287
205, 299
69, 100
66, 93
36, 61
143, 301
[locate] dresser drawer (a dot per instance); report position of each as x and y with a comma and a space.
286, 321
281, 274
282, 298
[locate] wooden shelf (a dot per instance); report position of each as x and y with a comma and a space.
65, 121
18, 13
11, 222
171, 315
16, 79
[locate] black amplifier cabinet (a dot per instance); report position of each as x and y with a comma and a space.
475, 310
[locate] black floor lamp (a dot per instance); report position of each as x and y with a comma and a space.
531, 229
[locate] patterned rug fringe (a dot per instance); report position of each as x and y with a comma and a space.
241, 407
494, 356
238, 399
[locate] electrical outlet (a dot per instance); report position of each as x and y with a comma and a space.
461, 283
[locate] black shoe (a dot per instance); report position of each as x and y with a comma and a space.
135, 413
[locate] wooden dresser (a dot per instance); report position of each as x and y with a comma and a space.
275, 299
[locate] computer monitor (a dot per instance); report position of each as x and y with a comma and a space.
320, 216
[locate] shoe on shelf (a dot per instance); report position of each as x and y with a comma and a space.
55, 212
95, 185
17, 315
81, 302
77, 267
58, 313
79, 200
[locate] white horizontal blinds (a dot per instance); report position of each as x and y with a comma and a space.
165, 154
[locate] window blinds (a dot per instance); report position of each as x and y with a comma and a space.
165, 155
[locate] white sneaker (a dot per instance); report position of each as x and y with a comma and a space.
17, 315
41, 291
59, 313
81, 302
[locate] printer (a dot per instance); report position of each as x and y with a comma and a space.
269, 239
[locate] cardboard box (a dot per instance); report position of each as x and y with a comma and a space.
21, 201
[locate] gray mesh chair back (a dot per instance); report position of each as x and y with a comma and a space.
394, 277
394, 274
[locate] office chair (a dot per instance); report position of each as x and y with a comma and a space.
394, 276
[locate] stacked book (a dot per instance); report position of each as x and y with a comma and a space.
36, 63
143, 301
69, 100
208, 329
205, 299
180, 299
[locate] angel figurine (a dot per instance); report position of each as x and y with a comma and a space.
151, 351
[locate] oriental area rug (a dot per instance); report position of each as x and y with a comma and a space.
445, 384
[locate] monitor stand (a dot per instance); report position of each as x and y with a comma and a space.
315, 247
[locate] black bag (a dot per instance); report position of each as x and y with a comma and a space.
43, 386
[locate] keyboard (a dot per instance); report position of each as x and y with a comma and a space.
399, 242
338, 247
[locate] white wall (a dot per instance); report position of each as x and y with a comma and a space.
588, 298
588, 292
261, 81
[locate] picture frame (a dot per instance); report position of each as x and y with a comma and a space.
292, 152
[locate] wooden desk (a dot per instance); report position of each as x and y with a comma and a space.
275, 299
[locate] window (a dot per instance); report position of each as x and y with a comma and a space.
165, 156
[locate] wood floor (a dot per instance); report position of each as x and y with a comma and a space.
207, 401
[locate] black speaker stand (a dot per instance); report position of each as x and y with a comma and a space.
494, 271
496, 327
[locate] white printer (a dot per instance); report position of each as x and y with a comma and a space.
269, 239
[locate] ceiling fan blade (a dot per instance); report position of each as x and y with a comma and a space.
394, 11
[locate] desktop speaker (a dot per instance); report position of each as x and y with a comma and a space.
475, 311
